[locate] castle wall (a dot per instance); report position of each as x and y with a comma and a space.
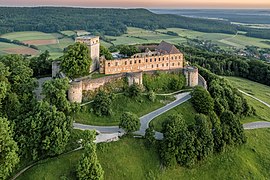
56, 68
192, 75
138, 64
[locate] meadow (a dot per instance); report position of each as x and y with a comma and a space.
129, 158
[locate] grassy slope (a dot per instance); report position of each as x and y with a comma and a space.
129, 159
258, 90
186, 110
121, 104
28, 35
253, 88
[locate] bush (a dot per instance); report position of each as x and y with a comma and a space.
202, 100
102, 104
129, 122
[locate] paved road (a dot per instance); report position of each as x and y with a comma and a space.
257, 125
254, 98
145, 120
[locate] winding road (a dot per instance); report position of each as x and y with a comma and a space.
115, 131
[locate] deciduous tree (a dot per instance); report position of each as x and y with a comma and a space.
129, 122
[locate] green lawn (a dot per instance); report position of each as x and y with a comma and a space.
130, 159
120, 105
186, 110
68, 33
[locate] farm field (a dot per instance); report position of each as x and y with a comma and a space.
130, 159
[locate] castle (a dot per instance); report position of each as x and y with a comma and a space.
166, 57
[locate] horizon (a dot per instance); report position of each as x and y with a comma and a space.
157, 4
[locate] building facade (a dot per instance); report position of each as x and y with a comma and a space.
165, 57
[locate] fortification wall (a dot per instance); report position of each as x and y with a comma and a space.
75, 92
192, 75
202, 82
138, 64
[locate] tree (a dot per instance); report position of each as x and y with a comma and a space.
8, 148
151, 96
135, 90
233, 131
129, 122
41, 65
88, 166
76, 60
150, 136
102, 104
129, 50
55, 94
177, 145
204, 138
202, 100
43, 132
219, 143
105, 52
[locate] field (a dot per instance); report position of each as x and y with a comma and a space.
130, 159
186, 110
226, 41
55, 42
120, 105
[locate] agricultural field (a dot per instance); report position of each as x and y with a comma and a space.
8, 48
130, 159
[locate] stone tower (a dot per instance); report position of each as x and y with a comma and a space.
192, 75
93, 45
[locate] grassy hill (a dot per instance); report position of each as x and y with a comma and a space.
130, 159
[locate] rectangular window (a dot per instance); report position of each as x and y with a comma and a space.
135, 61
116, 63
167, 64
146, 60
150, 60
125, 62
130, 62
139, 61
155, 60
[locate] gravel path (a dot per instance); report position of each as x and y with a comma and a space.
257, 125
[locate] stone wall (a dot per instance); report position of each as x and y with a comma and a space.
202, 82
192, 75
138, 64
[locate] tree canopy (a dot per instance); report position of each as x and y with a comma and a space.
129, 122
76, 60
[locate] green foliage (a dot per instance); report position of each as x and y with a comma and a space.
8, 149
129, 122
151, 95
102, 104
114, 21
105, 52
88, 166
55, 94
202, 100
161, 82
128, 50
233, 131
41, 65
76, 60
203, 142
150, 136
43, 132
135, 90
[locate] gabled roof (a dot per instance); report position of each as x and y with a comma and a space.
167, 48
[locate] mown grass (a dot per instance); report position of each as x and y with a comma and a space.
130, 159
28, 35
186, 110
120, 105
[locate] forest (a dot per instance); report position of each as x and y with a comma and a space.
100, 21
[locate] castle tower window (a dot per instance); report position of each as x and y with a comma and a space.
179, 57
109, 64
172, 58
167, 64
139, 61
155, 60
158, 59
152, 66
175, 57
130, 62
162, 65
172, 64
157, 65
116, 63
150, 60
135, 61
125, 62
178, 64
163, 59
146, 60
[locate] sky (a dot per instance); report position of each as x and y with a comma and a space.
265, 4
